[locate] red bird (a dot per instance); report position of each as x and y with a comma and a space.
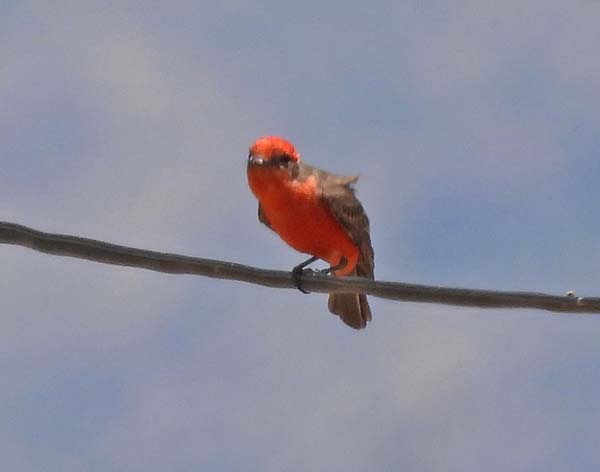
316, 213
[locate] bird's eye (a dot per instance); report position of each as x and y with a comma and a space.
284, 159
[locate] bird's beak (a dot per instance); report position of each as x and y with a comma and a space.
255, 160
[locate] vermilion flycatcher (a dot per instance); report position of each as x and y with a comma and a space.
316, 213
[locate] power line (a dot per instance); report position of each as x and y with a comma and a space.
107, 253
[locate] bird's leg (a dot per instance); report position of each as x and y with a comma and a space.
297, 273
340, 265
302, 265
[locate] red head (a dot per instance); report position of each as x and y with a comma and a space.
268, 149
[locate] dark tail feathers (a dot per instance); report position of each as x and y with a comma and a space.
352, 308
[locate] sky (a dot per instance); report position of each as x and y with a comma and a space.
474, 128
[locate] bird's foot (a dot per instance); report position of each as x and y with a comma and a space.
343, 263
297, 274
299, 271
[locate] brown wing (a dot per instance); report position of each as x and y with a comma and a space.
351, 215
263, 218
338, 194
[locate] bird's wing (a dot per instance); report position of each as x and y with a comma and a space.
349, 212
263, 218
339, 196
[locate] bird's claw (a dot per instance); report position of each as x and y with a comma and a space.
297, 273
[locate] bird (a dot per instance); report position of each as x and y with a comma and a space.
316, 213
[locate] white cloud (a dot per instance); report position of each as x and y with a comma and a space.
164, 114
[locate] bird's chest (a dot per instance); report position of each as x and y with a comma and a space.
295, 210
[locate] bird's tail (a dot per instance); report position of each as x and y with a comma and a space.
352, 308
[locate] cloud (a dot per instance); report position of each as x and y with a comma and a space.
471, 127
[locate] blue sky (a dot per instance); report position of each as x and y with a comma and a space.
474, 126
